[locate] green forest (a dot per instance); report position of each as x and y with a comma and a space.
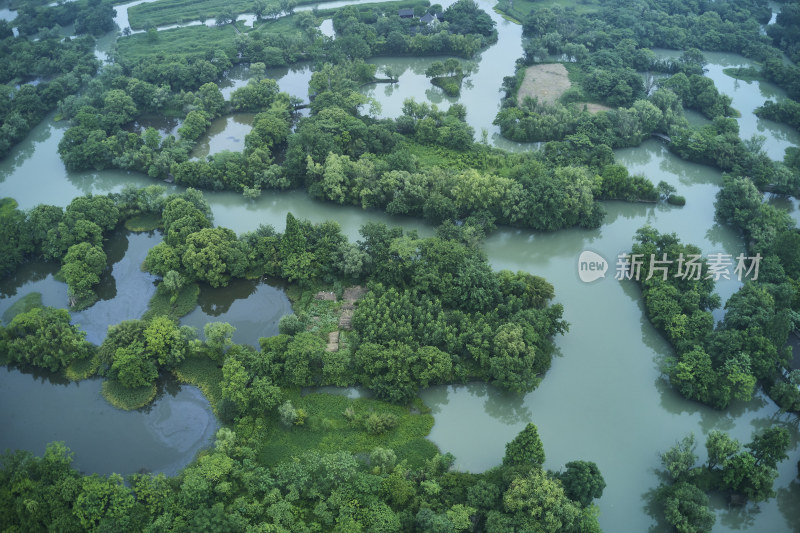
396, 312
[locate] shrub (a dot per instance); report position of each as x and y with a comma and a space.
288, 414
676, 199
290, 325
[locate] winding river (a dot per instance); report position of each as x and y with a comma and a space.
604, 399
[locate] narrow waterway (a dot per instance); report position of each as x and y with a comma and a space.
164, 437
253, 307
124, 290
225, 133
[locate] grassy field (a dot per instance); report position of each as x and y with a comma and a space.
125, 398
179, 42
166, 12
519, 9
23, 305
327, 429
82, 369
204, 374
385, 7
744, 73
545, 82
282, 25
162, 304
479, 157
143, 223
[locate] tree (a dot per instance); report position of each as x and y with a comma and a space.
125, 334
65, 234
181, 218
431, 366
465, 16
435, 70
161, 260
219, 337
386, 371
256, 95
538, 503
173, 282
225, 17
582, 482
295, 254
118, 108
103, 501
15, 239
679, 459
44, 337
737, 201
665, 190
743, 476
686, 509
303, 351
212, 99
525, 450
270, 129
165, 341
720, 447
214, 255
512, 363
260, 8
98, 209
786, 393
40, 220
132, 367
693, 375
234, 384
264, 396
288, 414
194, 125
769, 447
83, 265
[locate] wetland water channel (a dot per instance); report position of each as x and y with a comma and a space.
603, 400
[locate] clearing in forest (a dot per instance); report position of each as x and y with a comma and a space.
544, 82
547, 83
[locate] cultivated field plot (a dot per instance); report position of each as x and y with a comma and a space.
547, 83
544, 82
